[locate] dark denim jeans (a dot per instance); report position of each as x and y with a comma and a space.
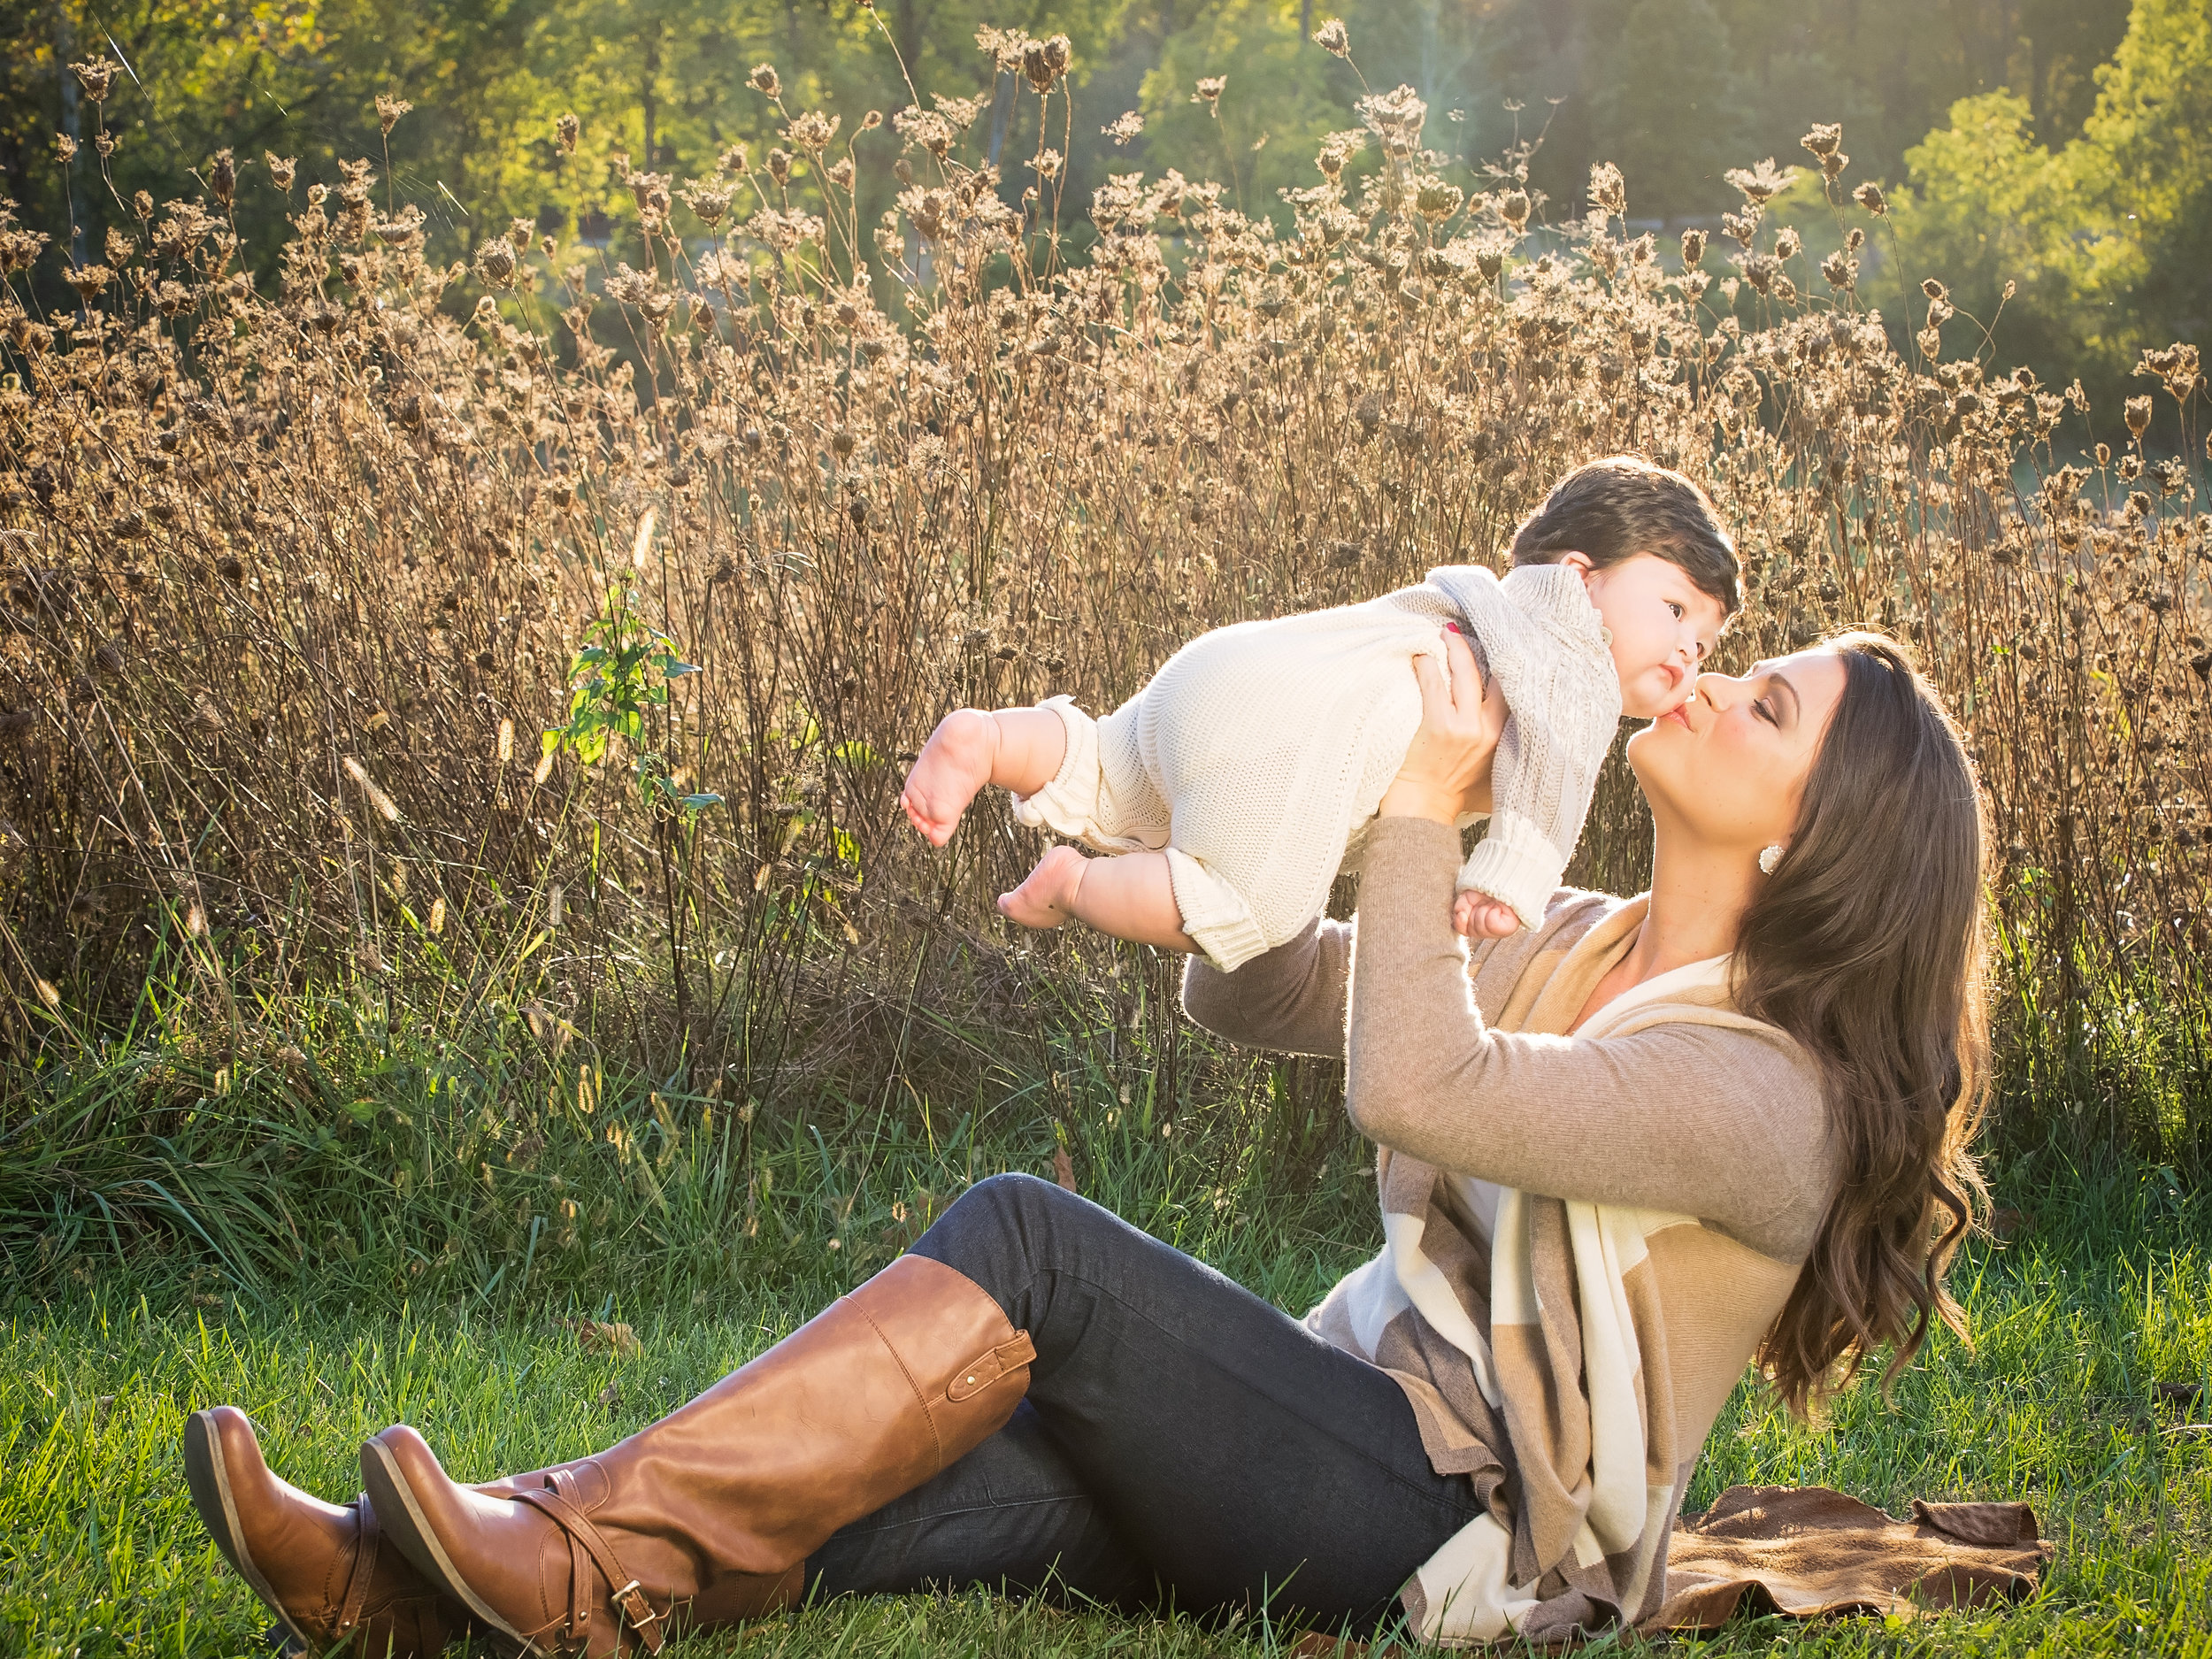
1183, 1442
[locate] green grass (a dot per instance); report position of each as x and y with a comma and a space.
2107, 1293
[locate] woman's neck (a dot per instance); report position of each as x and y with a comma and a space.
1697, 900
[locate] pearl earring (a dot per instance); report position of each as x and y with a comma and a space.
1768, 857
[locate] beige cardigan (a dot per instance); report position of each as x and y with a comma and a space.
1683, 1146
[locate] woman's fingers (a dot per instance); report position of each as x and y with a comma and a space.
1466, 682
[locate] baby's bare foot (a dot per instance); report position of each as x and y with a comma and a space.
1046, 896
953, 765
1478, 916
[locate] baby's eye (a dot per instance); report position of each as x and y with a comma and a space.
1679, 612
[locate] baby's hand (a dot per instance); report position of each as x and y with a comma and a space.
1478, 916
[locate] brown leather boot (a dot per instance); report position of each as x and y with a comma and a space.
708, 1517
322, 1568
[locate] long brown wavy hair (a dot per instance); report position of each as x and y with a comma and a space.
1868, 945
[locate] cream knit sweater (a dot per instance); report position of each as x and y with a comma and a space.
1257, 754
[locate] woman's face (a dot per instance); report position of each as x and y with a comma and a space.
1728, 768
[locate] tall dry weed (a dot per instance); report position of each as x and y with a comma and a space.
289, 571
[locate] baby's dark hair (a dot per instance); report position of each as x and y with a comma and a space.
1612, 510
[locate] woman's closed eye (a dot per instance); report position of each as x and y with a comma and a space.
1764, 709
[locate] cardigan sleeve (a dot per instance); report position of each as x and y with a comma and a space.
1290, 998
1717, 1122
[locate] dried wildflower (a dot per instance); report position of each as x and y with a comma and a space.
1854, 240
1436, 200
65, 147
1869, 196
711, 204
1333, 38
780, 165
142, 205
1044, 62
731, 162
1209, 90
389, 110
222, 177
1608, 191
765, 81
1693, 248
1823, 140
496, 267
98, 78
1513, 208
2137, 414
1787, 243
1124, 127
90, 279
282, 169
566, 130
1762, 183
1841, 270
811, 131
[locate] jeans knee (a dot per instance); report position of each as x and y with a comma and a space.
1008, 1199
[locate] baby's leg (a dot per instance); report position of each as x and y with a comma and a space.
1018, 749
1130, 895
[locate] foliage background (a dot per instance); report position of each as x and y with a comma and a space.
2054, 143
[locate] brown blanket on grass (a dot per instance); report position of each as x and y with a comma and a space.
1804, 1551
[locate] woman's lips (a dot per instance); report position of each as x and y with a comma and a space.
1676, 716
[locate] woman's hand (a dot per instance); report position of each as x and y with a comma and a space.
1447, 769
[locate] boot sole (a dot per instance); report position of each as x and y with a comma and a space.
207, 1475
398, 1513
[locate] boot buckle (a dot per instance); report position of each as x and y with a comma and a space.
631, 1600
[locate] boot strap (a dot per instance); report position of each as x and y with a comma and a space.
363, 1568
628, 1600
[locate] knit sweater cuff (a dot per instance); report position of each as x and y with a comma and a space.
1517, 863
1215, 915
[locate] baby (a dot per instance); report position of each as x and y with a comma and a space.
1239, 780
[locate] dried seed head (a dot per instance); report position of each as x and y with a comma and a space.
389, 110
1869, 196
1934, 290
496, 264
1787, 243
765, 81
96, 78
1823, 140
1209, 90
1437, 201
1334, 38
1513, 208
1693, 248
1124, 127
566, 130
222, 177
1607, 190
383, 803
2137, 415
282, 169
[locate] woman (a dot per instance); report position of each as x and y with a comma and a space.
1653, 1139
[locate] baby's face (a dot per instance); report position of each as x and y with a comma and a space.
1663, 626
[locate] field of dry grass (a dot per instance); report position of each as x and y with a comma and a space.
531, 645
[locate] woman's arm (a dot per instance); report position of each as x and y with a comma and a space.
1291, 999
1717, 1123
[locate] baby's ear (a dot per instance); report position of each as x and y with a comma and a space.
1578, 562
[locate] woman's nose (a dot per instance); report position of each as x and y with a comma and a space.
1716, 691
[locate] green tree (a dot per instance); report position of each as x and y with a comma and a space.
1667, 112
2106, 238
